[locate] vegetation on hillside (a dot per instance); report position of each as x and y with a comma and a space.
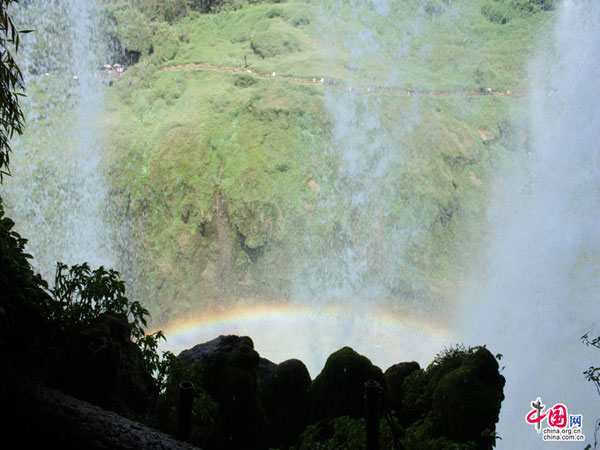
185, 139
79, 295
270, 151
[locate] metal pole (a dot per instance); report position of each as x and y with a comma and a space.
372, 413
186, 398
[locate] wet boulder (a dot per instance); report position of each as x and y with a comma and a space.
230, 368
466, 399
395, 377
283, 391
339, 389
103, 366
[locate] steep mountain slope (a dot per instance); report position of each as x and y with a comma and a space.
225, 173
308, 149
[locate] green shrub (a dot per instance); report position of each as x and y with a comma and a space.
81, 295
497, 12
127, 29
276, 11
534, 5
344, 433
244, 81
272, 43
22, 291
502, 11
435, 7
298, 18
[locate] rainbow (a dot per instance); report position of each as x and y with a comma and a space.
310, 333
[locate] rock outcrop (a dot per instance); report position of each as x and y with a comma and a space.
458, 398
230, 369
339, 389
43, 417
466, 400
394, 377
283, 392
103, 366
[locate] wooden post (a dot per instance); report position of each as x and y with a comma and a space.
186, 398
373, 392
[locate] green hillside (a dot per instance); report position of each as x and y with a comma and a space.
224, 146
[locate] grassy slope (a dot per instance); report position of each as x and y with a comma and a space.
178, 136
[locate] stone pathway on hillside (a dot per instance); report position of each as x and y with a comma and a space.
358, 90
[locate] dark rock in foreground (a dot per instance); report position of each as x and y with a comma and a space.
103, 366
230, 366
261, 405
394, 377
43, 417
283, 391
458, 398
339, 389
467, 399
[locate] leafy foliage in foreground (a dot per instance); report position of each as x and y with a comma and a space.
22, 291
346, 433
11, 85
81, 295
593, 375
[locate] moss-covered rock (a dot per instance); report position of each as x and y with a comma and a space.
457, 399
284, 392
230, 366
466, 401
394, 377
339, 389
101, 365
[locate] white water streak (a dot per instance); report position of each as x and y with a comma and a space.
57, 195
540, 292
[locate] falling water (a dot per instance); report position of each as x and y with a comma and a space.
533, 301
352, 265
361, 252
57, 194
540, 290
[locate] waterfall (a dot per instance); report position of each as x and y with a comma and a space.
532, 300
58, 192
539, 293
359, 254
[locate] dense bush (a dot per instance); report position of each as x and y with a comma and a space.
534, 5
502, 11
34, 315
455, 402
268, 44
81, 295
22, 291
172, 10
497, 12
344, 433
